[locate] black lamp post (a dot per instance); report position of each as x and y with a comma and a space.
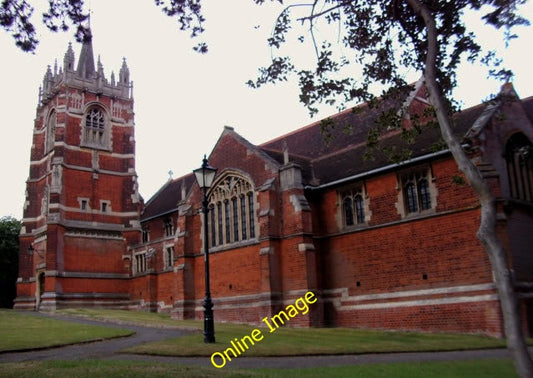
205, 176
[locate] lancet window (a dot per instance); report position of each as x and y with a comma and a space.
51, 131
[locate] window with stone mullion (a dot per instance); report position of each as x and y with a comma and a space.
233, 206
353, 207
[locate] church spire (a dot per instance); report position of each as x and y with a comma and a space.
86, 62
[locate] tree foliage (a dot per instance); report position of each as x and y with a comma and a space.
385, 38
9, 249
16, 17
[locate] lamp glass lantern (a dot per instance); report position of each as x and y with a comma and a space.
205, 175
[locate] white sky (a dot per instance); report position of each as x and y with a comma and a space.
184, 99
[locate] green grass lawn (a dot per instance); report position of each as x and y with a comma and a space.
286, 341
89, 368
18, 330
315, 341
22, 331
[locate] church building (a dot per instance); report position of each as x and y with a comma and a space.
382, 243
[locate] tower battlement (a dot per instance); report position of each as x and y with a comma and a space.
85, 76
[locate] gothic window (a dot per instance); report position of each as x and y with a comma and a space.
219, 223
416, 191
213, 226
232, 211
226, 223
425, 195
139, 263
51, 131
169, 227
251, 214
169, 257
353, 206
145, 235
348, 211
95, 132
412, 200
243, 217
235, 214
519, 157
359, 208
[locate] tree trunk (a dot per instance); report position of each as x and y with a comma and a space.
487, 228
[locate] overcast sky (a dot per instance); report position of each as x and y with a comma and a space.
183, 99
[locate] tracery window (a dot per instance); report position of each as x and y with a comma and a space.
416, 191
519, 157
51, 131
353, 206
232, 211
95, 128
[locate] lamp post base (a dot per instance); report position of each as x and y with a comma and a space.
209, 326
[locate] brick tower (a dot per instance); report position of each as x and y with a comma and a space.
82, 204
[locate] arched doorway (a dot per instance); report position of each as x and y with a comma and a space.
39, 289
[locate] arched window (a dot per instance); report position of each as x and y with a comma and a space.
417, 191
425, 195
412, 200
235, 214
232, 211
519, 157
95, 132
243, 217
353, 207
359, 209
51, 131
348, 211
227, 224
213, 226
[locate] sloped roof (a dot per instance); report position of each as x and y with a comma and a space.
326, 160
350, 162
347, 128
167, 199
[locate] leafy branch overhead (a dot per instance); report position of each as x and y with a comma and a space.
385, 38
16, 17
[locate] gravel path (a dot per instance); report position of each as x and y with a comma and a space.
109, 350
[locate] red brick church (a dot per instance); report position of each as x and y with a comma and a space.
381, 244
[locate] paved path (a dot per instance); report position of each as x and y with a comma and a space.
109, 350
97, 349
